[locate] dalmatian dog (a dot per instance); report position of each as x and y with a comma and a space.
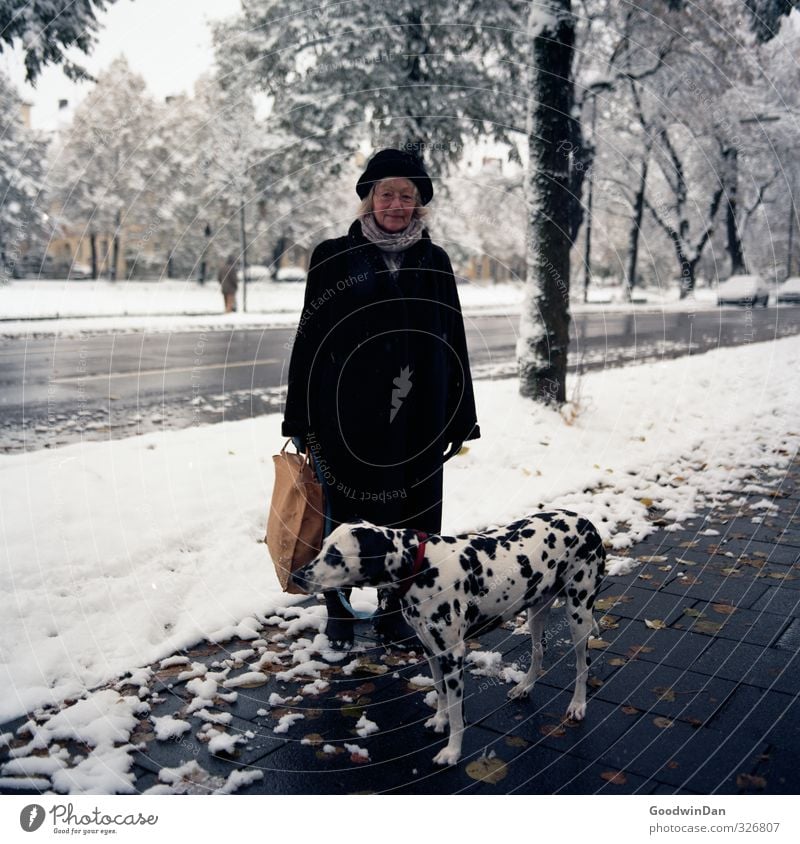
453, 588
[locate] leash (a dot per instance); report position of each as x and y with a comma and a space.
416, 568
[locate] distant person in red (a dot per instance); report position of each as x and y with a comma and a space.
230, 283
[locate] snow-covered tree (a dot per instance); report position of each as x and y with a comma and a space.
46, 28
405, 73
101, 167
544, 323
22, 200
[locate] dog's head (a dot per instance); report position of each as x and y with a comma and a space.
354, 554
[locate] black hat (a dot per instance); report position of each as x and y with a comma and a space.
393, 163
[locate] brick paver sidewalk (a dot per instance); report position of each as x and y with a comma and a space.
693, 688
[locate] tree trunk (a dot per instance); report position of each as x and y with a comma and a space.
93, 247
201, 277
244, 255
730, 175
544, 325
115, 246
687, 268
277, 252
636, 228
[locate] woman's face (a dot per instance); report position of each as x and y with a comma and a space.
393, 203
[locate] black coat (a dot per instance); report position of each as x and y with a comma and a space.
379, 379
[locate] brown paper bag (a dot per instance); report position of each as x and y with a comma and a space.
296, 519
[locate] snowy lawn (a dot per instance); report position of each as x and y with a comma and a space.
68, 307
115, 554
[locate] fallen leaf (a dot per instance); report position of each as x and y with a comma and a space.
321, 754
609, 622
597, 644
610, 600
554, 730
595, 682
648, 502
723, 609
654, 624
709, 627
730, 570
516, 741
693, 613
665, 693
371, 668
314, 739
662, 723
652, 558
645, 577
487, 770
750, 781
689, 580
672, 765
635, 650
629, 710
616, 661
614, 777
689, 543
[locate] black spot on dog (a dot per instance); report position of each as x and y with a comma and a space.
428, 578
441, 614
333, 557
524, 565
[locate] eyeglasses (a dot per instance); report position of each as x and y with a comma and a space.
387, 197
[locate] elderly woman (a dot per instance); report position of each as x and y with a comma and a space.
379, 384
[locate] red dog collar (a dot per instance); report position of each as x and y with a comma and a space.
416, 568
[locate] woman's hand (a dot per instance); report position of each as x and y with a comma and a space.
455, 447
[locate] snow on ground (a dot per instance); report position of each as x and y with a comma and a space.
116, 554
67, 308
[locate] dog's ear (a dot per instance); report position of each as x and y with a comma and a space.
374, 547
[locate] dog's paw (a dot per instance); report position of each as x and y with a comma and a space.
438, 723
576, 711
447, 756
521, 690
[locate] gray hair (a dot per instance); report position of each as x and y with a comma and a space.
367, 203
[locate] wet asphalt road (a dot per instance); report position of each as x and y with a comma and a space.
57, 390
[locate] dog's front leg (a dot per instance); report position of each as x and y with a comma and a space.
452, 669
439, 720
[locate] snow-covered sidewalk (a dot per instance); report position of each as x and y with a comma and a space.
71, 307
117, 554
